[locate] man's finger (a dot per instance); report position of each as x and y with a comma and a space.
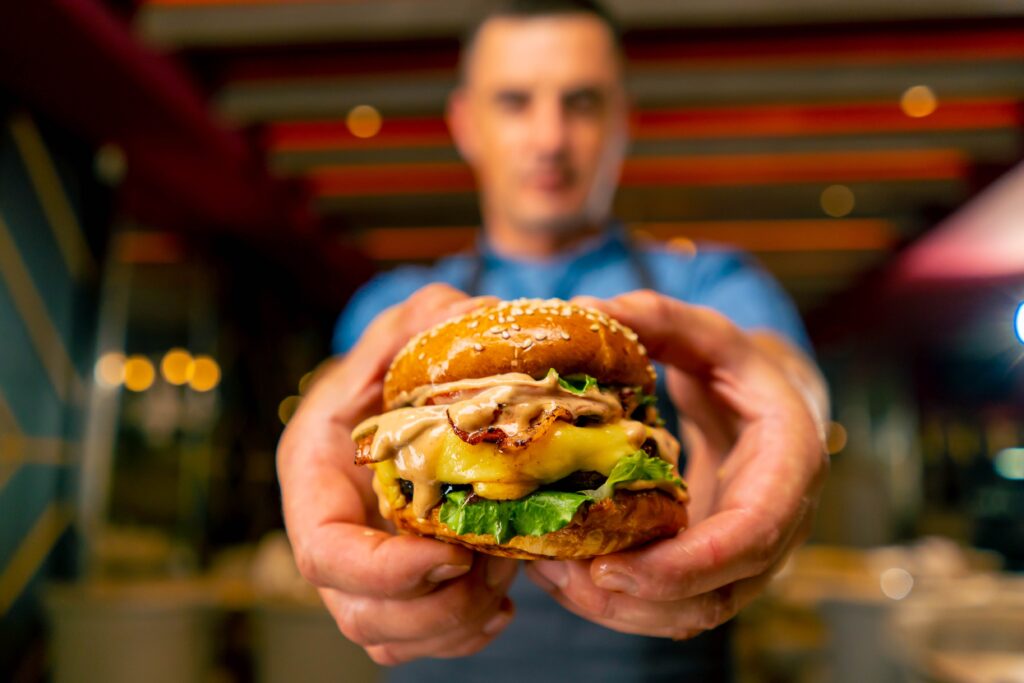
692, 338
356, 559
573, 589
731, 545
446, 645
460, 605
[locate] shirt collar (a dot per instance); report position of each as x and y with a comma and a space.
612, 240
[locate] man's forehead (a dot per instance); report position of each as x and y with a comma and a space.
573, 49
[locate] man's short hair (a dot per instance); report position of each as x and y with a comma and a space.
527, 9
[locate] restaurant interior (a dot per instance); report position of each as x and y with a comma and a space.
191, 191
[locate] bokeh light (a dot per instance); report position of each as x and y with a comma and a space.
837, 200
683, 245
363, 121
1018, 322
139, 373
175, 366
109, 369
287, 408
204, 374
918, 101
896, 583
110, 163
1009, 463
836, 438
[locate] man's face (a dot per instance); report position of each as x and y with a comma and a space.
542, 119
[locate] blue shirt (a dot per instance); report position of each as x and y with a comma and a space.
545, 642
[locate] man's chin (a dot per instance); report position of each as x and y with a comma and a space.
555, 224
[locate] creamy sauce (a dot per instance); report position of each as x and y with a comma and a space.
415, 436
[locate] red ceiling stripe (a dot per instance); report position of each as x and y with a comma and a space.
782, 120
766, 169
858, 48
718, 170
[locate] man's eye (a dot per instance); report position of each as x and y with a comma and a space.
511, 101
585, 102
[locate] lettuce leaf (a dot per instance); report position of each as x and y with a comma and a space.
576, 384
634, 467
544, 511
534, 515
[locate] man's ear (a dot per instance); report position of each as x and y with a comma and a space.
460, 125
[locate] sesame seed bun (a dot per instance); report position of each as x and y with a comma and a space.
527, 335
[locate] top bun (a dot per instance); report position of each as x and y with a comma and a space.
527, 335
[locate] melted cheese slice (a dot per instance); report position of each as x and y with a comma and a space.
506, 476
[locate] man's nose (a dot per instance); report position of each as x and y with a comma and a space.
550, 129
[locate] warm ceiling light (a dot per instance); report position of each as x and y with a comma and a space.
918, 101
109, 370
363, 121
204, 374
175, 366
837, 200
139, 373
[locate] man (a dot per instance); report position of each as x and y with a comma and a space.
541, 116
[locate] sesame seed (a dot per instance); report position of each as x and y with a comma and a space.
473, 324
528, 343
478, 347
422, 356
504, 335
515, 326
565, 336
595, 327
541, 336
615, 329
642, 349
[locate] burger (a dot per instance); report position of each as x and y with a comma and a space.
527, 429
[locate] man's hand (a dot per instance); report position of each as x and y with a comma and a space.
400, 597
753, 411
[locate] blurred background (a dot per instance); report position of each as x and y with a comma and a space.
190, 190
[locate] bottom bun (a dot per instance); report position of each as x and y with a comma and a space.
622, 521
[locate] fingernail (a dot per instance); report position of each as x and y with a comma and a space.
498, 569
444, 572
616, 582
500, 620
554, 572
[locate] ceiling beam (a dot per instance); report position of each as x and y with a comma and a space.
259, 22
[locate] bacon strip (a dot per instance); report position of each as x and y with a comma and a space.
513, 442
